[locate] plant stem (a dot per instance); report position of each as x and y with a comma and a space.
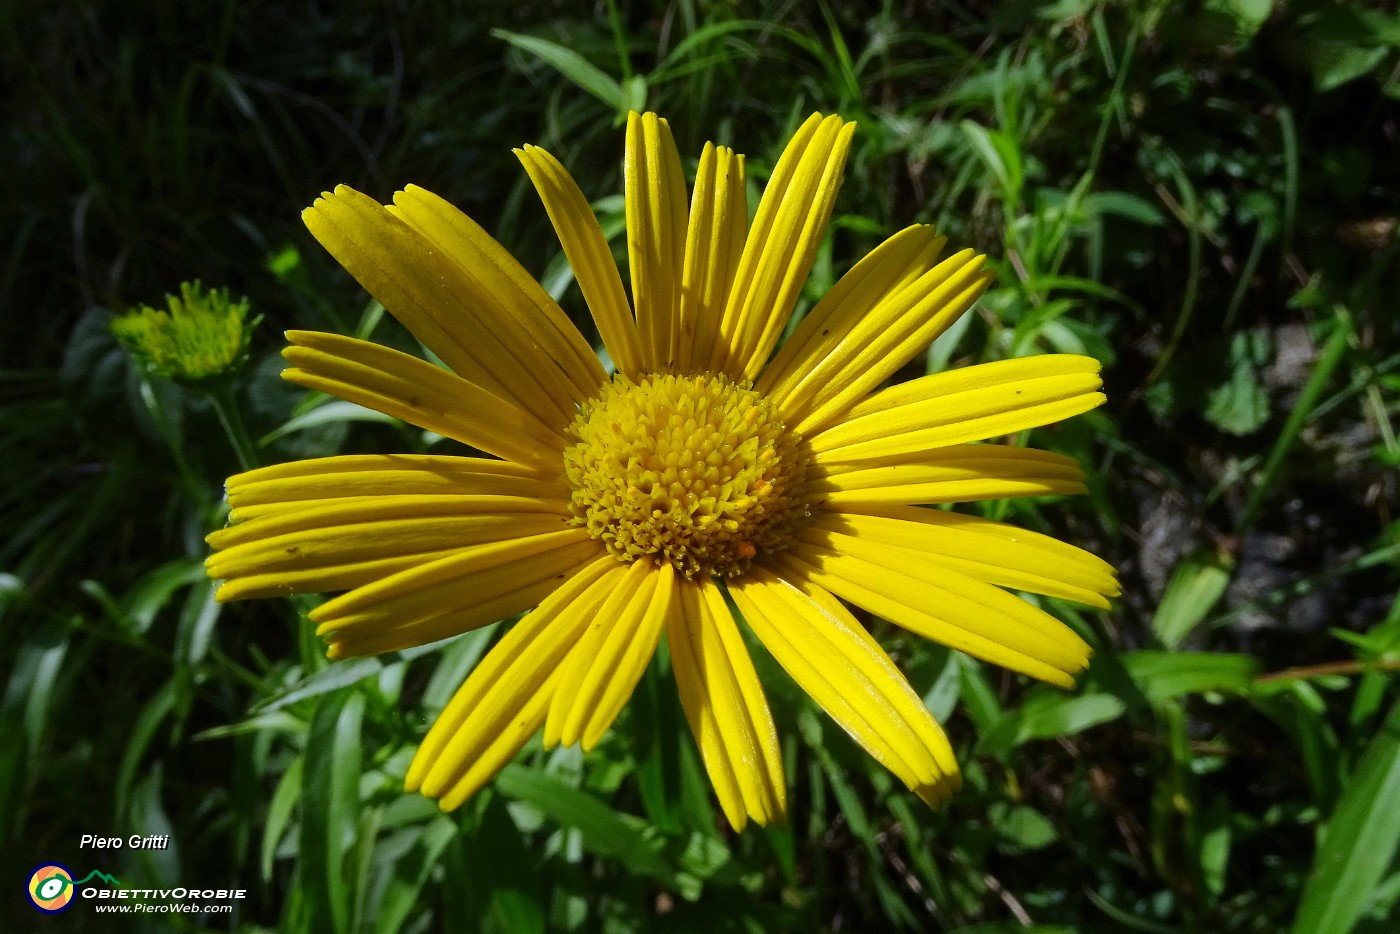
221, 395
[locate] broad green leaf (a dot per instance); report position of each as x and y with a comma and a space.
1240, 406
1047, 715
1360, 842
1165, 675
1247, 16
1021, 827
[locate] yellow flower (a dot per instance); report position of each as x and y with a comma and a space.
709, 469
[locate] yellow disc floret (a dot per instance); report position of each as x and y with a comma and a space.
696, 470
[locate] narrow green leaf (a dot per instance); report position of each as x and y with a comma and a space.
330, 413
573, 66
999, 156
340, 675
279, 813
602, 830
1197, 584
403, 888
1361, 839
330, 804
153, 713
1327, 362
1122, 204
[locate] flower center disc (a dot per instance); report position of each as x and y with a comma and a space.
695, 470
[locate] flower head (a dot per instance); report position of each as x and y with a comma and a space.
202, 336
709, 468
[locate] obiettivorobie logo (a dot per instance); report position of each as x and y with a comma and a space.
52, 887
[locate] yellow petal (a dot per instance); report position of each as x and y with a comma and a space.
294, 485
969, 404
782, 244
989, 551
392, 508
589, 255
654, 188
718, 220
610, 657
419, 393
429, 293
831, 657
859, 353
503, 702
958, 474
725, 706
955, 610
341, 545
476, 585
501, 290
882, 273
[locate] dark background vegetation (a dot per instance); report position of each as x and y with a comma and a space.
1202, 195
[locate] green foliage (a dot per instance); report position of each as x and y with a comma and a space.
1202, 198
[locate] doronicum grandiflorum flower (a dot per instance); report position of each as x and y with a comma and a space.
708, 469
201, 336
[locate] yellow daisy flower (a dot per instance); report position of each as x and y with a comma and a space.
708, 470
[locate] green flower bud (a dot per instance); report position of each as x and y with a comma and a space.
202, 336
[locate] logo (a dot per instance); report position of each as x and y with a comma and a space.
51, 886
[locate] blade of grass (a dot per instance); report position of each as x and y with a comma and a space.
1327, 361
1362, 836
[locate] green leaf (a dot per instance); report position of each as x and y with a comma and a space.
1164, 675
507, 880
1000, 155
1361, 839
330, 804
601, 829
1046, 716
1247, 16
1020, 826
404, 887
1240, 406
1196, 586
330, 413
148, 813
279, 813
575, 67
1335, 64
1122, 204
1047, 713
340, 675
153, 713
